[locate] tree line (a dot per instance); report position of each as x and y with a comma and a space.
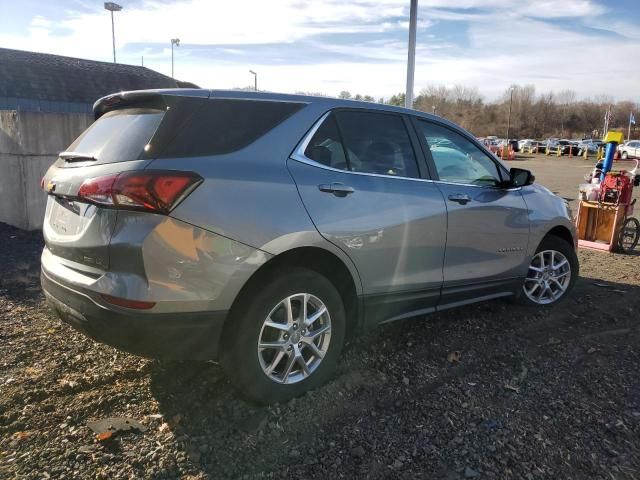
538, 116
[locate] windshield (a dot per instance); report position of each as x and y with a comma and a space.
119, 135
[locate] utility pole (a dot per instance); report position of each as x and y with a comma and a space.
255, 79
113, 7
176, 42
411, 56
607, 119
509, 118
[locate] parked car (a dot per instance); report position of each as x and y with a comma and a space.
551, 144
564, 145
493, 145
525, 143
590, 145
501, 142
265, 229
630, 149
541, 146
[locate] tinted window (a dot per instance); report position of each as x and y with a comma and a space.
118, 135
196, 127
377, 143
456, 158
326, 147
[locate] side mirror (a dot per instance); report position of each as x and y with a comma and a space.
519, 177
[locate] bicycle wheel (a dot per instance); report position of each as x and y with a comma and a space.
629, 235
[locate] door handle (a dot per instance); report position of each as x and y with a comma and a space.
461, 198
338, 189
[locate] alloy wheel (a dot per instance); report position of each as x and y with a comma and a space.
294, 338
548, 277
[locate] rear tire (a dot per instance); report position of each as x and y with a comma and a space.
289, 365
549, 279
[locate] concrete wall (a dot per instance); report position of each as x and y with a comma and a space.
29, 144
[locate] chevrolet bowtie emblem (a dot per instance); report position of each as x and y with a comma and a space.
51, 186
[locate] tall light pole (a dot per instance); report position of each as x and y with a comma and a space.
509, 118
176, 42
113, 7
255, 79
411, 57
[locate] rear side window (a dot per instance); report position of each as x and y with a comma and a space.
326, 146
196, 127
364, 142
377, 143
119, 135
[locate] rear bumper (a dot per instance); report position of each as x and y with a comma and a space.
179, 336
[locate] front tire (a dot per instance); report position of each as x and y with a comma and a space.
286, 338
624, 155
551, 275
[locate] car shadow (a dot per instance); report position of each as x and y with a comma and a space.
223, 435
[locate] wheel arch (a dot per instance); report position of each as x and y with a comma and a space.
563, 233
320, 260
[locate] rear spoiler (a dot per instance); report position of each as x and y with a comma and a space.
147, 98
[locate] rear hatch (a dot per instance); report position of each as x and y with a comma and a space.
118, 141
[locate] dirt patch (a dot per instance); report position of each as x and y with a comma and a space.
533, 393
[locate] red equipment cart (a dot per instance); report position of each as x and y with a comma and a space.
606, 223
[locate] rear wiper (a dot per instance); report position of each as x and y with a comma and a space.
76, 157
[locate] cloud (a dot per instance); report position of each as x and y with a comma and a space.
357, 45
40, 21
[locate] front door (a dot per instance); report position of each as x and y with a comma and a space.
360, 181
488, 225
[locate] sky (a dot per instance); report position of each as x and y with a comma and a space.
589, 46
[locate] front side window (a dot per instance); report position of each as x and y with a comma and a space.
457, 159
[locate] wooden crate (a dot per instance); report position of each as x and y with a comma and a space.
599, 224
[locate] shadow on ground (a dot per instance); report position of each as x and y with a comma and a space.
397, 407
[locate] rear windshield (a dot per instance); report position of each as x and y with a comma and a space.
119, 135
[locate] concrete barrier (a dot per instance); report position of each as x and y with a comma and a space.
29, 144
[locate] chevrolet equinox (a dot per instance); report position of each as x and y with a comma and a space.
262, 230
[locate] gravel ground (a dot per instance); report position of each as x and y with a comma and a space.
488, 391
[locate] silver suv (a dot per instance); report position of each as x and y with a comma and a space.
263, 229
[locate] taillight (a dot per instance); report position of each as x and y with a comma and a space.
150, 190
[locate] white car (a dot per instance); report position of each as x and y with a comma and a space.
630, 149
526, 143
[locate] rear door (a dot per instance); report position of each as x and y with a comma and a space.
362, 184
488, 226
78, 231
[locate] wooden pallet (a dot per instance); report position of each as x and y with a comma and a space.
599, 225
